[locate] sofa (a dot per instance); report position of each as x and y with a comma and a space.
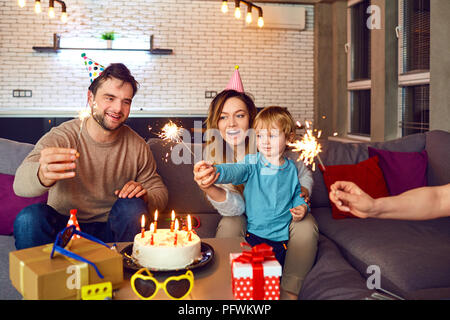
413, 257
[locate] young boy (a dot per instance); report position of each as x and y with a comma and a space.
271, 181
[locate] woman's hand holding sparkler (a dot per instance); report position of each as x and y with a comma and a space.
56, 164
205, 174
132, 189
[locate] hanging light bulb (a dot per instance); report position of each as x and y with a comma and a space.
260, 22
237, 10
37, 6
21, 3
249, 18
63, 11
51, 9
224, 6
260, 19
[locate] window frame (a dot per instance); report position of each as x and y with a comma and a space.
353, 85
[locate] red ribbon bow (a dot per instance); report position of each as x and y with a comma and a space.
256, 256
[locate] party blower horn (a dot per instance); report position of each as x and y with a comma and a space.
73, 221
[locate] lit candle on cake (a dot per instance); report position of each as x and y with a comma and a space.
142, 226
189, 227
152, 230
176, 233
172, 221
156, 219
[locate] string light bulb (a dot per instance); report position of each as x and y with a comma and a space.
224, 6
51, 9
249, 18
63, 10
21, 3
237, 11
37, 6
260, 19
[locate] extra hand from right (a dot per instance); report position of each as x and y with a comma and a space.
56, 164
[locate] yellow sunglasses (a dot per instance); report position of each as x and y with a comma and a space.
145, 286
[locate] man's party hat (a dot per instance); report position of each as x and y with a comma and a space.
94, 68
73, 221
235, 81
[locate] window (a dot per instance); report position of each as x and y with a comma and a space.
414, 65
415, 109
360, 112
360, 42
358, 61
416, 35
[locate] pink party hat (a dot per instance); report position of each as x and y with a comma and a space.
94, 68
235, 81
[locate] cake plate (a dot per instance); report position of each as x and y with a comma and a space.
130, 264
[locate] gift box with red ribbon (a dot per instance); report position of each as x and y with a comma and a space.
255, 274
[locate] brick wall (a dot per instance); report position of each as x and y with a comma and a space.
276, 65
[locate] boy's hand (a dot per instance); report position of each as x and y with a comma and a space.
298, 213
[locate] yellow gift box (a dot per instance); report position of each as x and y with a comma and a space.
37, 277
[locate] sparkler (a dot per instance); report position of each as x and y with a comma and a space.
82, 115
171, 132
308, 147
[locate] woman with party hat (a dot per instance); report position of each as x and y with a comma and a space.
229, 139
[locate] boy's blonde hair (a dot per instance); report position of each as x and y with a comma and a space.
279, 116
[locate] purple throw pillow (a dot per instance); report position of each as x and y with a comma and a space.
11, 204
402, 171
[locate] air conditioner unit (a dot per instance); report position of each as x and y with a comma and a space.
279, 17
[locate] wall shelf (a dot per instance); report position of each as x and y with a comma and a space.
56, 47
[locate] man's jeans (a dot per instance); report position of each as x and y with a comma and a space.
39, 223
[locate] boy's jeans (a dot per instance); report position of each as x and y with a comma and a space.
38, 224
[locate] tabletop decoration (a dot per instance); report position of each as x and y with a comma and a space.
255, 273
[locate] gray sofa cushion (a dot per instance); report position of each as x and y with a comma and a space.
438, 150
184, 193
12, 154
332, 277
337, 153
412, 255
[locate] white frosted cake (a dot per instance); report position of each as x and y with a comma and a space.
163, 254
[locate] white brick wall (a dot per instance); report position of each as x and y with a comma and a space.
276, 66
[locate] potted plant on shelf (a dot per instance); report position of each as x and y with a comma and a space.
109, 37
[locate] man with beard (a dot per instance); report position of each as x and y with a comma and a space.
98, 166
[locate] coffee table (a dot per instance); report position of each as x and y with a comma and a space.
211, 282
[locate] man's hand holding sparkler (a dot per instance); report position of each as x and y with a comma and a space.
56, 164
132, 189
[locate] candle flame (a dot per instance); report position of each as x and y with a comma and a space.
156, 215
177, 225
143, 221
173, 215
152, 227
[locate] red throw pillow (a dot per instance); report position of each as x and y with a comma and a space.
366, 174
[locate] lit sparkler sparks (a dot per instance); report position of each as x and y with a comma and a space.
171, 132
308, 147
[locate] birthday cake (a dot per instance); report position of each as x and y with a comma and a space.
163, 250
